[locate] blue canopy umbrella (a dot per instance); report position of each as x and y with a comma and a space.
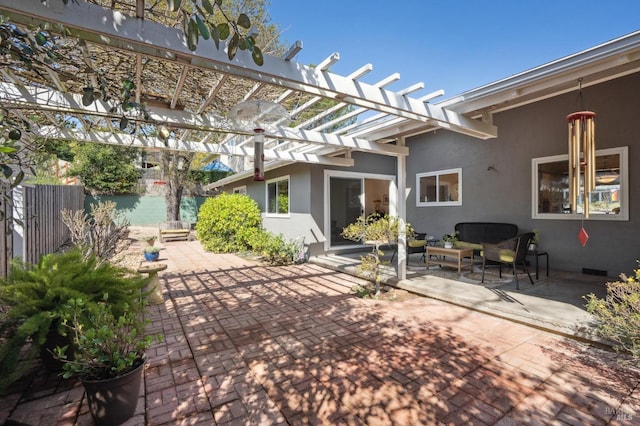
217, 166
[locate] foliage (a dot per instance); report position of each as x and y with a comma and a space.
536, 236
105, 345
619, 314
225, 222
35, 298
275, 249
363, 291
450, 238
106, 169
43, 177
100, 234
204, 176
375, 231
152, 249
200, 22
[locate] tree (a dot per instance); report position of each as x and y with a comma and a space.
105, 169
375, 231
175, 167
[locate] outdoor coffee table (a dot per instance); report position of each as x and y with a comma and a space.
450, 257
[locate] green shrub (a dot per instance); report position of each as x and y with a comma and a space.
105, 345
619, 315
225, 223
274, 249
279, 251
35, 297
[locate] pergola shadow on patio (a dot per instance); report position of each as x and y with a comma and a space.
246, 343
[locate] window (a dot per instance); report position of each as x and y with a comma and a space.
278, 196
608, 201
240, 190
441, 188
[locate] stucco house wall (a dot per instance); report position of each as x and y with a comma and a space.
306, 190
496, 175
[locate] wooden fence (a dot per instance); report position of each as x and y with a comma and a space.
39, 225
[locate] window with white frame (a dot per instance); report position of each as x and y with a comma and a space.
439, 188
608, 201
278, 196
240, 189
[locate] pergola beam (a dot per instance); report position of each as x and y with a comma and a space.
111, 28
154, 143
50, 100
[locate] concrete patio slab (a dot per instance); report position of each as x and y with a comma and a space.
554, 303
248, 344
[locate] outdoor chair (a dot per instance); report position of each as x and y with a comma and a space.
416, 244
512, 252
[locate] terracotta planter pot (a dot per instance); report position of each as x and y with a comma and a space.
114, 401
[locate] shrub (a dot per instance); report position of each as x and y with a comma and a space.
619, 315
105, 345
375, 231
279, 251
101, 234
225, 223
35, 297
273, 248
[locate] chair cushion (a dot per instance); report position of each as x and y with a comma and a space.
466, 244
507, 256
416, 243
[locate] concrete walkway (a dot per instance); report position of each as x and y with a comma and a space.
250, 344
554, 303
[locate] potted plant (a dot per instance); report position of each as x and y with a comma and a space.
35, 297
109, 357
150, 239
450, 239
533, 244
151, 253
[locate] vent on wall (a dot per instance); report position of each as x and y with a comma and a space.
590, 271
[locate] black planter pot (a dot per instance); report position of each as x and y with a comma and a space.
114, 401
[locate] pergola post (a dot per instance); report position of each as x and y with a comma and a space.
401, 201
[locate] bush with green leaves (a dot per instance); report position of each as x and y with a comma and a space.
227, 222
105, 345
278, 251
35, 299
618, 315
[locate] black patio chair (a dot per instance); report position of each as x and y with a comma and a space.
512, 252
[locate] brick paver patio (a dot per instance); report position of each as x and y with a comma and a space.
251, 344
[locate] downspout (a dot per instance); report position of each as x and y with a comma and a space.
401, 203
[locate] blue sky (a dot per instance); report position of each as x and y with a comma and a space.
450, 45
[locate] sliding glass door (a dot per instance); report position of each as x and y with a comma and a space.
346, 197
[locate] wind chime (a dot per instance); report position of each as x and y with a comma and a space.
258, 154
582, 162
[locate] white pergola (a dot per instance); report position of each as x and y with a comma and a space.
192, 92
